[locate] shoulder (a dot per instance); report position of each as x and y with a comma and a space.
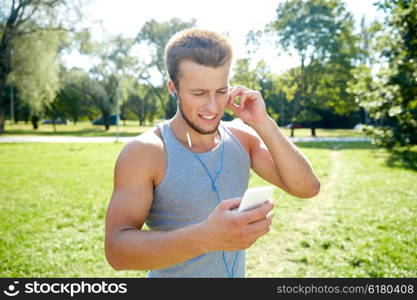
246, 135
146, 145
142, 156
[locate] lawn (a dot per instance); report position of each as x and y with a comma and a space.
132, 128
53, 199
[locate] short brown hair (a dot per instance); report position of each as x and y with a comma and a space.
200, 46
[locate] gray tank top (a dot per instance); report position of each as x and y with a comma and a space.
185, 197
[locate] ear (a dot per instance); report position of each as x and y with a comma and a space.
171, 87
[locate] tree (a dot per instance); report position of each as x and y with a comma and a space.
71, 94
156, 35
94, 90
320, 31
22, 18
141, 103
55, 110
115, 69
36, 68
243, 75
391, 95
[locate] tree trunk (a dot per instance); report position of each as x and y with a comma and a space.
35, 120
106, 120
292, 131
313, 131
164, 106
142, 112
2, 114
5, 69
2, 120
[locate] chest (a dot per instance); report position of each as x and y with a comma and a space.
161, 162
191, 189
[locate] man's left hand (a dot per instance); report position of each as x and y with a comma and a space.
251, 108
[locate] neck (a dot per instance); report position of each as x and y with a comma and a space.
199, 142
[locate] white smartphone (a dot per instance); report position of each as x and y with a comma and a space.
255, 196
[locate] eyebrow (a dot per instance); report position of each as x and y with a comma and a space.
203, 90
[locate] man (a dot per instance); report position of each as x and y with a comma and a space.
185, 177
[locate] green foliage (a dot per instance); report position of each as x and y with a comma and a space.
30, 31
307, 26
116, 67
95, 92
243, 75
391, 95
36, 68
72, 96
141, 102
82, 40
155, 35
321, 32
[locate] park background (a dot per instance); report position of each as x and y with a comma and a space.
341, 76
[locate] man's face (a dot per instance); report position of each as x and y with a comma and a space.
203, 93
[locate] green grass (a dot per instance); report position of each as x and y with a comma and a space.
53, 199
53, 202
363, 223
132, 128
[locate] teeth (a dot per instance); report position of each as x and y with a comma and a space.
208, 117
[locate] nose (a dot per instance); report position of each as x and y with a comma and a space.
212, 105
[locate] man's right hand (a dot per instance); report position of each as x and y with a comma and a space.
229, 230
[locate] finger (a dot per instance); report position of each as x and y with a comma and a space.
259, 226
243, 98
270, 214
250, 96
262, 232
231, 103
230, 204
258, 213
236, 91
232, 97
232, 89
255, 235
233, 107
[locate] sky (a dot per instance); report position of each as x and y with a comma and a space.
235, 17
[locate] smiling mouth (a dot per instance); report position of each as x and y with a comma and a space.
207, 117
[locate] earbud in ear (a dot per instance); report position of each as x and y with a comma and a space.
175, 96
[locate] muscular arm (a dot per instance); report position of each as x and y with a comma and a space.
273, 156
127, 247
278, 160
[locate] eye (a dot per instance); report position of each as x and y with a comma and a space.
198, 94
221, 92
